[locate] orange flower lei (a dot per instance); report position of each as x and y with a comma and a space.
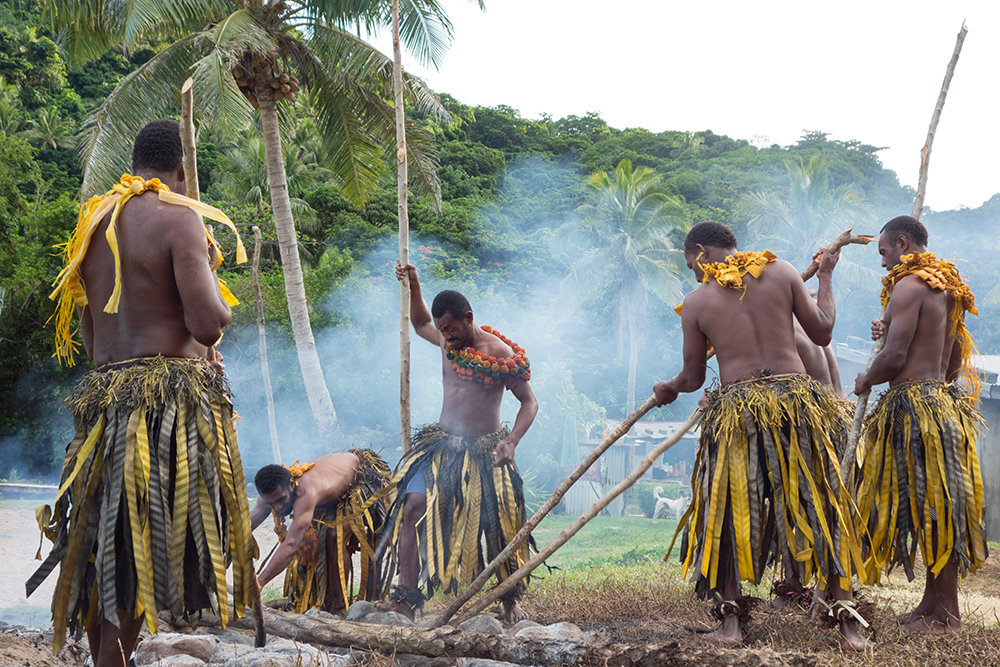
942, 275
296, 470
730, 272
471, 365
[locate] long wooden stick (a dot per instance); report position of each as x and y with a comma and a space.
262, 339
402, 178
477, 584
494, 565
644, 465
850, 454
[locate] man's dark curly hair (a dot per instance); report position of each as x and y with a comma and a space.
911, 228
451, 302
157, 147
271, 477
710, 234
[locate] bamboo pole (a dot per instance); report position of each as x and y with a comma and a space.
262, 338
402, 179
850, 454
846, 238
644, 465
518, 539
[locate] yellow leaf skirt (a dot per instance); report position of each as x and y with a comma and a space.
470, 504
920, 471
306, 582
767, 480
152, 505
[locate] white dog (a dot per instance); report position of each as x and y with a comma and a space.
665, 505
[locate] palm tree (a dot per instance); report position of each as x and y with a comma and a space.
49, 130
627, 232
246, 49
811, 214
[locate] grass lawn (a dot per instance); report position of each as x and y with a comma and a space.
625, 539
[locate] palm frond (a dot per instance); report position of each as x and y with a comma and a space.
425, 30
217, 96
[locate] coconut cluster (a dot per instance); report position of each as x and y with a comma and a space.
283, 85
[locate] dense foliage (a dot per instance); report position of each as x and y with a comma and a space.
511, 191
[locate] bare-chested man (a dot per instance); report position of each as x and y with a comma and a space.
923, 428
316, 495
768, 433
466, 459
151, 420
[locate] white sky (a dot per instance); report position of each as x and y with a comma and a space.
866, 70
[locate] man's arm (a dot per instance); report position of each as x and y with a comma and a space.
831, 362
87, 327
504, 452
303, 510
205, 311
260, 512
817, 317
954, 362
420, 314
903, 314
692, 376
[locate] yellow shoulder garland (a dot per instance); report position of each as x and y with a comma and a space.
730, 272
69, 287
942, 275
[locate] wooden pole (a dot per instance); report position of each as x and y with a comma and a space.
850, 453
484, 576
526, 569
477, 584
262, 338
402, 179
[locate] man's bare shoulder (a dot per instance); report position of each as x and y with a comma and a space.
909, 288
495, 347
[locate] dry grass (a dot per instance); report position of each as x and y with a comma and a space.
650, 603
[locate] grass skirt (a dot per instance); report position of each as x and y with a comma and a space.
306, 576
470, 504
919, 470
767, 479
152, 503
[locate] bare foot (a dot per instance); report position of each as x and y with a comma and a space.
851, 639
932, 625
728, 632
397, 606
512, 613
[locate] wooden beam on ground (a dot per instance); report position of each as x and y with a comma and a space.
451, 643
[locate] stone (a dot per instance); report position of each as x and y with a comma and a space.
389, 618
521, 625
360, 609
226, 636
559, 632
482, 662
287, 654
316, 612
225, 650
180, 661
164, 645
482, 624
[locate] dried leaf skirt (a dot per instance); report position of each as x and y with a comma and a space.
920, 472
470, 505
767, 481
152, 503
306, 576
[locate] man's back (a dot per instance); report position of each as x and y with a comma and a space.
752, 330
168, 303
920, 313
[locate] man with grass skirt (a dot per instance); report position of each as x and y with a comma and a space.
921, 485
458, 490
152, 504
326, 499
766, 484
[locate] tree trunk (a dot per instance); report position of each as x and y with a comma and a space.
402, 178
262, 337
634, 340
452, 643
295, 291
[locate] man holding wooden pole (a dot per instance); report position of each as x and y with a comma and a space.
766, 483
920, 479
458, 486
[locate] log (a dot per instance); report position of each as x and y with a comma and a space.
622, 486
850, 453
838, 243
480, 581
188, 143
448, 642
